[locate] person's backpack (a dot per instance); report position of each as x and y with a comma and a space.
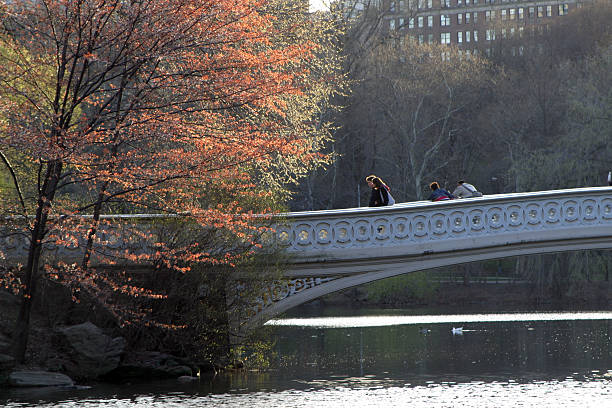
472, 189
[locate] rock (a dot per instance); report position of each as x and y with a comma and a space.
187, 378
38, 379
89, 352
150, 364
6, 361
6, 365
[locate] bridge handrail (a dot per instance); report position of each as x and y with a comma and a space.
312, 233
426, 205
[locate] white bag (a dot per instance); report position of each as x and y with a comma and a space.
391, 199
472, 189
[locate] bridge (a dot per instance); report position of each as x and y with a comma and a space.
333, 250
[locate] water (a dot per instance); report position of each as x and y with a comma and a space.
383, 358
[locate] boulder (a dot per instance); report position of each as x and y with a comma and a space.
5, 343
6, 365
88, 351
38, 379
6, 362
150, 364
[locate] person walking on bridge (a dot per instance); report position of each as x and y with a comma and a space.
466, 190
381, 193
438, 193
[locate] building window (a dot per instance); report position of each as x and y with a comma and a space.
391, 25
467, 2
562, 9
468, 18
512, 31
475, 36
490, 34
420, 21
521, 13
445, 56
444, 20
503, 34
468, 36
445, 3
475, 18
429, 21
548, 11
488, 15
459, 18
430, 38
521, 50
459, 37
392, 7
521, 31
401, 22
512, 14
411, 22
459, 2
420, 38
429, 4
531, 12
540, 11
445, 38
504, 15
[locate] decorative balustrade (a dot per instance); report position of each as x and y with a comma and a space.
312, 233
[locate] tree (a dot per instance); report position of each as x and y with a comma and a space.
166, 106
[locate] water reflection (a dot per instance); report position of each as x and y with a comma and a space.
384, 320
498, 360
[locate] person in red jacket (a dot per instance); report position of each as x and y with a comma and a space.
438, 193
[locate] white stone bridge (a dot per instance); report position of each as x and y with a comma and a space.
333, 250
336, 249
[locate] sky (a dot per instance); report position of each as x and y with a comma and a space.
317, 4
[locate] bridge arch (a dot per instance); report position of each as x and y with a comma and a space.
337, 249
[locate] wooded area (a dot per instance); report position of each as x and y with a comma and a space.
508, 123
535, 115
216, 110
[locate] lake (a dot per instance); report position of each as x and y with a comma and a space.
340, 357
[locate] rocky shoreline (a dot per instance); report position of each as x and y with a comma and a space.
85, 352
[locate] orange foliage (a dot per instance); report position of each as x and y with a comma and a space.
158, 106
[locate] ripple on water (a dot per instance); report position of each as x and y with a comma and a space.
543, 394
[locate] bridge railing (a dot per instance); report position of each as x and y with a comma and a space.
361, 232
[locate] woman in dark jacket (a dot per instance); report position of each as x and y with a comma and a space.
439, 194
379, 195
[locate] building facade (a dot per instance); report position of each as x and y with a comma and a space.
472, 25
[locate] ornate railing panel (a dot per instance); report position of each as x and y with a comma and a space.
314, 234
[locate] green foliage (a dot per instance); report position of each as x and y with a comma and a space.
398, 289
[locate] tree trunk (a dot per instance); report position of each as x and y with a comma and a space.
31, 276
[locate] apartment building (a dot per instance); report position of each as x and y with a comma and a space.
472, 25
